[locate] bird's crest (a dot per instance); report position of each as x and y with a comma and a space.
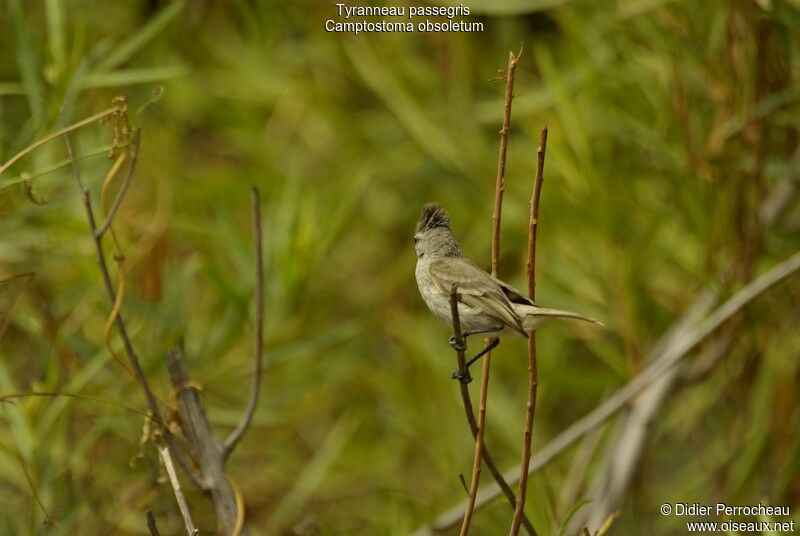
433, 215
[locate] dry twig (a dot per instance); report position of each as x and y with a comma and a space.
533, 380
500, 181
198, 433
687, 334
228, 502
485, 369
211, 455
258, 345
119, 322
464, 378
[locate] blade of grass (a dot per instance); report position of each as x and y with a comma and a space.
27, 61
128, 48
128, 77
54, 11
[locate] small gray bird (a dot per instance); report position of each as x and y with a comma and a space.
486, 304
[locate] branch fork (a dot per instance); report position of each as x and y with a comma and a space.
210, 455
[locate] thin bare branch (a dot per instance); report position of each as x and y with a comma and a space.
533, 374
258, 345
479, 447
197, 430
460, 344
464, 377
681, 340
487, 360
101, 261
119, 322
191, 530
500, 181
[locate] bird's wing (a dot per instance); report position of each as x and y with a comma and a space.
513, 295
476, 289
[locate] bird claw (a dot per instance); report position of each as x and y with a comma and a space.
458, 346
463, 377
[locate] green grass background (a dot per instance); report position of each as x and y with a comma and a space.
671, 124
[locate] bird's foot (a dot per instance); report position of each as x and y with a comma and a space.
462, 376
458, 346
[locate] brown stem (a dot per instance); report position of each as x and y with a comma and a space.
101, 261
679, 341
500, 181
133, 358
533, 373
258, 345
198, 433
463, 374
487, 360
476, 461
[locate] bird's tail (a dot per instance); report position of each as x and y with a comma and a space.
533, 316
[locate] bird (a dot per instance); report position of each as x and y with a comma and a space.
486, 305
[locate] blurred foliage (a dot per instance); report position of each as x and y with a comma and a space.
672, 126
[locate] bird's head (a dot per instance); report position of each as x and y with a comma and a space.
433, 235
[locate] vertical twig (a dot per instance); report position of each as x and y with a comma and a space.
685, 335
464, 377
258, 345
206, 449
500, 181
476, 460
101, 260
133, 358
532, 367
191, 530
513, 59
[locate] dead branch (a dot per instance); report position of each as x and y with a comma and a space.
258, 346
197, 430
500, 181
477, 425
119, 322
464, 377
462, 372
487, 360
680, 340
533, 374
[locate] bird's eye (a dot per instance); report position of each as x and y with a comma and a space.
416, 239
